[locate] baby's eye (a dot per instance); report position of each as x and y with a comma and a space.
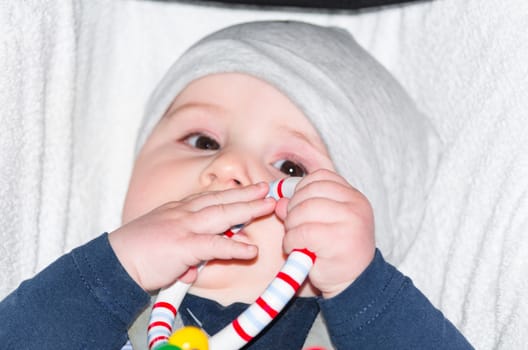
290, 168
201, 142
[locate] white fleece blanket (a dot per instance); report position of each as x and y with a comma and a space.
76, 74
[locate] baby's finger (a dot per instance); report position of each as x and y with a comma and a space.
281, 208
320, 175
322, 210
242, 194
308, 236
324, 189
219, 247
326, 240
324, 174
220, 217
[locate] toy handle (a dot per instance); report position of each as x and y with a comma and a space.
258, 315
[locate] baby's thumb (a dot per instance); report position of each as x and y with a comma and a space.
190, 275
281, 208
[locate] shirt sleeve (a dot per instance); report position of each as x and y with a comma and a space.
84, 300
382, 309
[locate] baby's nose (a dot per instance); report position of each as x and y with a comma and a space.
228, 170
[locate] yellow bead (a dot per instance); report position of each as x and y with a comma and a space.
190, 338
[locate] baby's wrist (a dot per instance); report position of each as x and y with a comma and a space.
331, 291
335, 290
119, 247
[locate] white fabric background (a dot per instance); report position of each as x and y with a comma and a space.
75, 76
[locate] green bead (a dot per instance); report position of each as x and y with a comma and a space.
167, 346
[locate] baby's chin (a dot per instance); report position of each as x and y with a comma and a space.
239, 281
233, 281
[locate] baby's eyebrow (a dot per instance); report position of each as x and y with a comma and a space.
196, 106
320, 147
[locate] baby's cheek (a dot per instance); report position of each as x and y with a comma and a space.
131, 209
138, 204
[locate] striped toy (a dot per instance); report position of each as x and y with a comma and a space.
259, 314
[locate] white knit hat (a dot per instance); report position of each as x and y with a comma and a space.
376, 137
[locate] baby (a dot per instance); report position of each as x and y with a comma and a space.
245, 106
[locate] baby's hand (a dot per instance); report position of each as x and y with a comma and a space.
167, 243
335, 221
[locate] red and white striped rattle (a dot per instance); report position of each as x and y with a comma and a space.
258, 315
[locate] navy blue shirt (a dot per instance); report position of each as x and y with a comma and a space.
86, 300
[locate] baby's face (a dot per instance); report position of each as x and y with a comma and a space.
224, 131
